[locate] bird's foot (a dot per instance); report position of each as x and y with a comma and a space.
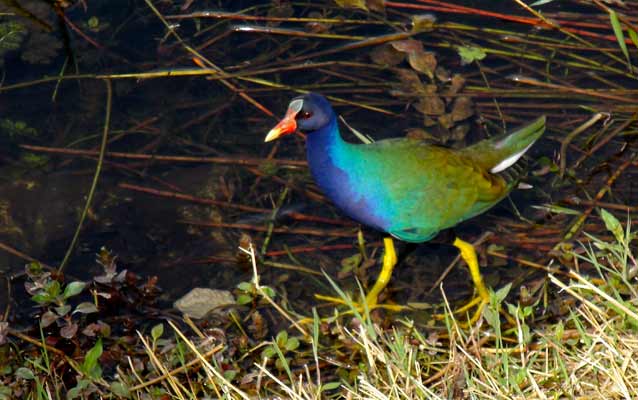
371, 299
370, 303
478, 302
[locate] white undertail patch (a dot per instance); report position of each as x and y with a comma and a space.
509, 161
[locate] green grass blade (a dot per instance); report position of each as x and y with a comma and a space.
620, 36
633, 36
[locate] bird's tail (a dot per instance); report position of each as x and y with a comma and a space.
499, 153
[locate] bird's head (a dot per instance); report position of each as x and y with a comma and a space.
307, 113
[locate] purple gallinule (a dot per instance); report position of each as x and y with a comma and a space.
405, 187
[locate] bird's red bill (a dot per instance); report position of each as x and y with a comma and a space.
287, 125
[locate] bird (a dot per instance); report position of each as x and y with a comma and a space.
407, 188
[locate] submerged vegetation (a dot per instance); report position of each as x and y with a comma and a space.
183, 182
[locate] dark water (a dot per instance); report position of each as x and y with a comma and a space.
42, 195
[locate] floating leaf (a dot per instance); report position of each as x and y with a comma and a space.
430, 105
423, 23
423, 61
462, 108
376, 5
410, 80
387, 55
470, 54
456, 84
352, 4
408, 45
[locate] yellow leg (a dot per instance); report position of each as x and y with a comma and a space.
469, 256
389, 261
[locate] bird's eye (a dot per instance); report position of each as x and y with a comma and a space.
305, 114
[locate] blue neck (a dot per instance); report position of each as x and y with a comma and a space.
324, 148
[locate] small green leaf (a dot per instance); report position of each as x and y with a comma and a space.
244, 299
330, 386
85, 307
41, 298
501, 293
292, 344
269, 352
230, 374
282, 338
246, 287
470, 54
120, 390
53, 288
613, 225
491, 317
25, 373
90, 365
157, 331
270, 292
620, 37
633, 36
63, 310
73, 289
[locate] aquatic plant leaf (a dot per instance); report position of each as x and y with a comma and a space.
410, 80
462, 108
470, 54
423, 23
408, 45
423, 61
387, 55
73, 289
456, 84
430, 105
633, 36
48, 318
69, 330
85, 307
352, 4
620, 36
